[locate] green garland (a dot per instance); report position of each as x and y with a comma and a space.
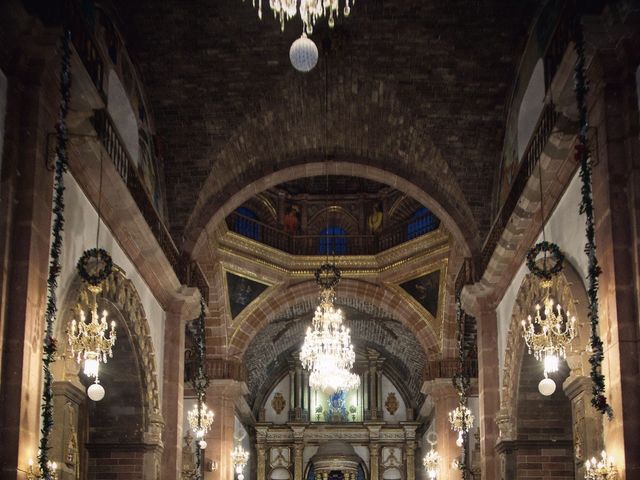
54, 254
461, 382
598, 399
200, 382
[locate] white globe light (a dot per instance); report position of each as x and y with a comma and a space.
95, 392
546, 387
203, 444
303, 54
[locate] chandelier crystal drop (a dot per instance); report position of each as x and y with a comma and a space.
603, 469
89, 341
310, 11
327, 351
200, 419
431, 464
461, 420
549, 333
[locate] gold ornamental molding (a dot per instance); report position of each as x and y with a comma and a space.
239, 250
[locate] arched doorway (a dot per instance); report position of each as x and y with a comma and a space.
93, 438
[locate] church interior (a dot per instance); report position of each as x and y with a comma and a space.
319, 239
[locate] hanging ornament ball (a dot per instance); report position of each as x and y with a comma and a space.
546, 387
303, 54
95, 392
203, 444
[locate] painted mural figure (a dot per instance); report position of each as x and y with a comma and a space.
374, 222
291, 221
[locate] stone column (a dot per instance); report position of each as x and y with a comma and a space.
261, 462
616, 190
25, 229
374, 459
488, 380
297, 468
68, 398
410, 452
185, 308
222, 396
445, 399
587, 422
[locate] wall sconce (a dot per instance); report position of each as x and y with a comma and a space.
212, 466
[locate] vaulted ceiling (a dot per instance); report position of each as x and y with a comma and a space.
418, 87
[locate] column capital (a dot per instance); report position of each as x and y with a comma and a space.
439, 389
185, 303
574, 385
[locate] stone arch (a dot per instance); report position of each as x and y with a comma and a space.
250, 322
120, 292
123, 115
131, 419
371, 134
569, 291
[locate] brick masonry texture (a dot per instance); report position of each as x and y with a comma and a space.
417, 87
541, 422
370, 326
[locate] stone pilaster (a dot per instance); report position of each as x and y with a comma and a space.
185, 308
68, 398
410, 456
488, 380
222, 397
587, 422
445, 399
374, 459
297, 468
260, 462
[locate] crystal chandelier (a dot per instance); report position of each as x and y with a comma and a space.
431, 463
461, 421
310, 11
200, 419
327, 351
88, 341
32, 474
603, 469
239, 457
548, 334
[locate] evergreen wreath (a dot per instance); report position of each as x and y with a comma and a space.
328, 275
598, 399
98, 255
545, 247
60, 167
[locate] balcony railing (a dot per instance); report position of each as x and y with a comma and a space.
187, 272
554, 52
365, 244
449, 368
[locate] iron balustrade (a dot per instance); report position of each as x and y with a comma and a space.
303, 244
187, 271
536, 145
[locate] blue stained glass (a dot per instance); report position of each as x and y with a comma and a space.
423, 222
333, 241
244, 224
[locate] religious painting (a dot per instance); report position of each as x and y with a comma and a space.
425, 290
242, 292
